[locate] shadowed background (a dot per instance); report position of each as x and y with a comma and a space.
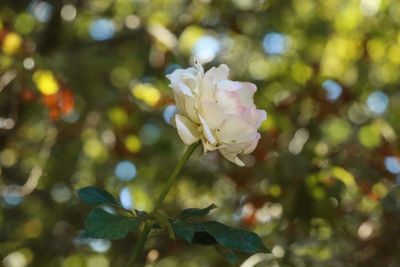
84, 101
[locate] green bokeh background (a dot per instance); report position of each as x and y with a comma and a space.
72, 108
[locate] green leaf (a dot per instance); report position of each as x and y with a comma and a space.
95, 196
194, 212
101, 224
183, 230
228, 254
236, 239
215, 233
164, 223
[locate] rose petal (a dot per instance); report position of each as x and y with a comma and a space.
219, 73
190, 109
187, 130
207, 131
232, 157
185, 90
236, 129
250, 148
212, 113
175, 77
260, 117
233, 94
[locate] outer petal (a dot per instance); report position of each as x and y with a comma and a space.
191, 80
235, 94
175, 77
235, 130
212, 113
190, 109
261, 116
219, 73
187, 130
207, 90
185, 90
207, 131
232, 157
250, 148
209, 82
179, 100
255, 116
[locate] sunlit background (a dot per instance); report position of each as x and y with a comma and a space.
84, 101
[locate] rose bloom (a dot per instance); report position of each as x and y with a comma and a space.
219, 112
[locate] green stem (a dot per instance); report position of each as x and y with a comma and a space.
169, 183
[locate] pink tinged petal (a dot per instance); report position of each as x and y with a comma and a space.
238, 93
207, 131
219, 73
187, 130
235, 130
226, 100
250, 148
232, 157
256, 116
260, 117
227, 95
212, 113
246, 93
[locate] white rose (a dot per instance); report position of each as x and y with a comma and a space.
219, 112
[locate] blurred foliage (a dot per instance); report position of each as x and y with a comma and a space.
84, 101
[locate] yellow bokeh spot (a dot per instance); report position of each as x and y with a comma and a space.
341, 174
275, 190
159, 18
189, 37
369, 136
332, 67
394, 54
11, 43
336, 130
132, 143
380, 189
318, 193
141, 199
304, 8
301, 73
258, 69
348, 19
376, 49
118, 116
73, 261
45, 82
98, 261
147, 93
93, 148
24, 23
